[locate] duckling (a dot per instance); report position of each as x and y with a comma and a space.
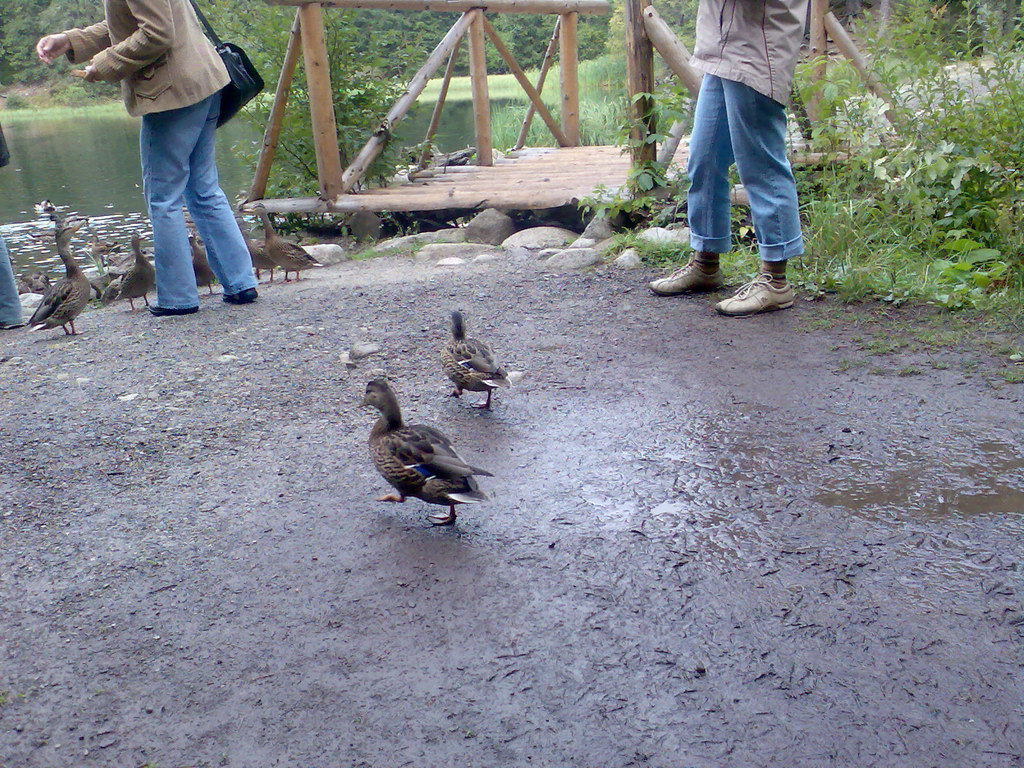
257, 252
99, 249
65, 299
201, 265
37, 282
470, 363
418, 460
289, 256
140, 279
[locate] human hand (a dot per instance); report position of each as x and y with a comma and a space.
51, 47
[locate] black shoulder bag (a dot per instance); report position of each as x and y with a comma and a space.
245, 80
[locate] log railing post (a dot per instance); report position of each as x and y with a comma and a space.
640, 80
273, 133
435, 117
817, 52
481, 98
355, 172
531, 92
549, 56
321, 100
568, 59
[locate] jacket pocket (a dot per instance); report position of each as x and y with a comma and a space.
152, 80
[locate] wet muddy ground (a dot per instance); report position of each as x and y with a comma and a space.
711, 542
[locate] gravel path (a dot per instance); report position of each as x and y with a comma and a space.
711, 543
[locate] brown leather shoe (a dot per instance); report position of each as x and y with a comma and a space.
689, 279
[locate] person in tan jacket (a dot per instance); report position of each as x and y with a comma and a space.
747, 51
171, 76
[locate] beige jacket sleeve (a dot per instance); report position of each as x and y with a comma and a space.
86, 43
153, 38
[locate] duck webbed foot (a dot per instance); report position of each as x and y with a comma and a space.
397, 498
441, 518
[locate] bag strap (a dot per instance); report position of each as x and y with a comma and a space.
209, 30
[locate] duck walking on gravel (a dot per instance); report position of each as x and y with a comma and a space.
418, 460
257, 252
65, 299
470, 363
289, 256
200, 263
140, 279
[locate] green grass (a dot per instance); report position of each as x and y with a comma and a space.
43, 113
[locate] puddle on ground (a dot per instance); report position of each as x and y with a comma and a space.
988, 482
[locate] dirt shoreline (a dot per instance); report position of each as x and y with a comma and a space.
711, 543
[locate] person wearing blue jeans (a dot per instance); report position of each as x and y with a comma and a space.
171, 76
747, 52
10, 303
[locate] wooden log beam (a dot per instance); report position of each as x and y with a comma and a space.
274, 122
818, 51
639, 80
321, 100
461, 6
478, 80
849, 49
568, 60
563, 139
672, 50
435, 117
549, 56
373, 147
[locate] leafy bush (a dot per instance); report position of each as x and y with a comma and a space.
362, 75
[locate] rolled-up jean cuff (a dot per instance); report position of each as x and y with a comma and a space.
710, 244
782, 251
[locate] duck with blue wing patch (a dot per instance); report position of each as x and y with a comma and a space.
418, 460
471, 364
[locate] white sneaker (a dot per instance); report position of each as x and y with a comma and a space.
759, 295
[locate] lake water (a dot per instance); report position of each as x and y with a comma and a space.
87, 162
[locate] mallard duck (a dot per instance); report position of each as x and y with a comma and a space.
65, 299
100, 250
470, 363
37, 282
289, 256
257, 252
140, 279
418, 460
200, 264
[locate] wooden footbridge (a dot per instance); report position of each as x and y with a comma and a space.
525, 178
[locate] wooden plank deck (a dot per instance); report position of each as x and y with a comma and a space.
527, 179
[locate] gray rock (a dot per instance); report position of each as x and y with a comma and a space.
628, 259
664, 236
547, 253
572, 258
583, 242
598, 229
409, 242
606, 245
456, 250
451, 261
485, 258
490, 226
364, 225
326, 253
363, 349
29, 301
537, 238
